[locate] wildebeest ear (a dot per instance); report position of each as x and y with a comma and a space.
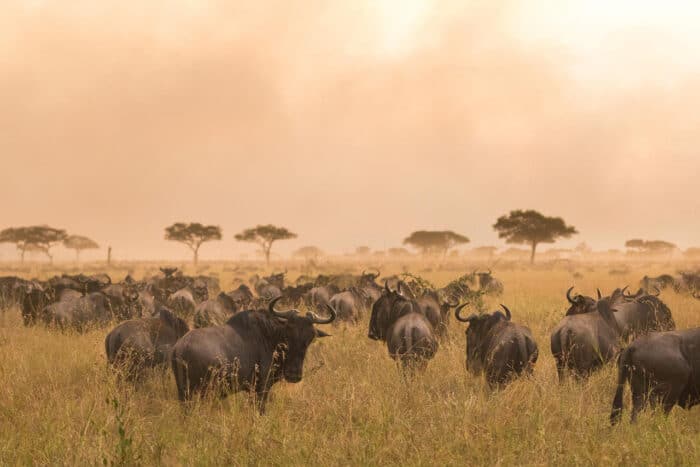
320, 333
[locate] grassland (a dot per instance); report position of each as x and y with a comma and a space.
60, 404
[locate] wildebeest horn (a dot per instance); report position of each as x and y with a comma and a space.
568, 296
459, 316
386, 286
317, 320
600, 295
280, 314
507, 311
658, 291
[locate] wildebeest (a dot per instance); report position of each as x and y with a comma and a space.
657, 283
320, 296
11, 288
78, 312
145, 342
214, 312
351, 304
242, 297
123, 300
496, 346
184, 301
252, 351
489, 284
661, 368
409, 336
583, 341
437, 311
33, 299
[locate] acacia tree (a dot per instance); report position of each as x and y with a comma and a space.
650, 246
79, 243
433, 241
265, 236
193, 235
532, 228
37, 238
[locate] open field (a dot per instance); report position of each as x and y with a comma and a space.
61, 405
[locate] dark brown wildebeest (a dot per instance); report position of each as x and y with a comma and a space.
661, 368
137, 344
400, 322
80, 313
437, 311
587, 337
214, 312
496, 346
252, 351
242, 296
184, 301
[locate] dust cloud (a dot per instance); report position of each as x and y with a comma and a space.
351, 123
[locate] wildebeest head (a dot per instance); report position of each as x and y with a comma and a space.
299, 332
580, 304
168, 272
367, 278
276, 279
478, 333
33, 298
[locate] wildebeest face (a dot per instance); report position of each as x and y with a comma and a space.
300, 333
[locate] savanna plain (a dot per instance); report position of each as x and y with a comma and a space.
61, 404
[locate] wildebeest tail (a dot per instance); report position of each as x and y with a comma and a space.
624, 366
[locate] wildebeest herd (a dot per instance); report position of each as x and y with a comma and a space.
221, 342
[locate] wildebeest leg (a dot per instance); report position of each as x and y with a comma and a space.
639, 397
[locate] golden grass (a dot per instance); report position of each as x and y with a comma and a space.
57, 404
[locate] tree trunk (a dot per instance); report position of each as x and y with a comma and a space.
48, 253
109, 256
532, 255
267, 255
196, 255
22, 255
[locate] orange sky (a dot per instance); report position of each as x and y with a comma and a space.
349, 122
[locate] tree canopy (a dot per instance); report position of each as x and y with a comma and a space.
193, 235
33, 238
265, 236
434, 241
650, 246
79, 243
532, 228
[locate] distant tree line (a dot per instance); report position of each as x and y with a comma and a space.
523, 227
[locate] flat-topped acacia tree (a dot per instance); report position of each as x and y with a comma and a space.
435, 241
34, 238
265, 236
79, 243
193, 235
532, 228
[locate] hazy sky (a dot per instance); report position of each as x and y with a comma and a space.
351, 123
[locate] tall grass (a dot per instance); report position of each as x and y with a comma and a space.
61, 405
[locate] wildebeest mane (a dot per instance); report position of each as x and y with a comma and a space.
268, 325
178, 324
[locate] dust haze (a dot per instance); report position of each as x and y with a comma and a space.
350, 123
